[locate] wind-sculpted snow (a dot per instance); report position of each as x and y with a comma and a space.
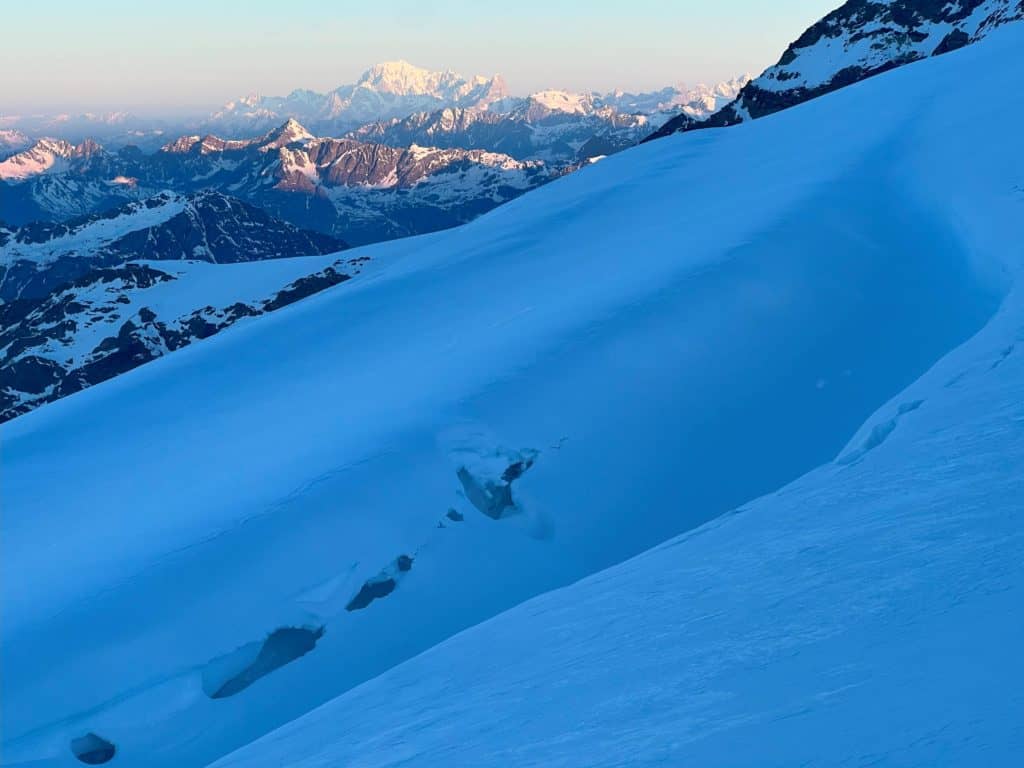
516, 404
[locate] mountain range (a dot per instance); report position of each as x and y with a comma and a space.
358, 191
396, 91
386, 92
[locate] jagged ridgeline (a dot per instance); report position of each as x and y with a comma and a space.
856, 41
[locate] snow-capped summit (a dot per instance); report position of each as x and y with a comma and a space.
389, 90
45, 156
291, 132
699, 101
400, 78
564, 101
11, 141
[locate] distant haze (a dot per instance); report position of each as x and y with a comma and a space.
189, 55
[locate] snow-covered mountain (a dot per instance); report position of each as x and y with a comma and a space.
206, 226
54, 179
84, 301
12, 141
268, 519
390, 90
699, 102
558, 129
358, 191
856, 41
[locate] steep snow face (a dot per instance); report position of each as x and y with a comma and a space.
856, 41
867, 613
400, 78
265, 520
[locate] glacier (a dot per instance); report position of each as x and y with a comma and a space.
285, 513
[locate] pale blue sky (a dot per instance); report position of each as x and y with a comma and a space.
157, 54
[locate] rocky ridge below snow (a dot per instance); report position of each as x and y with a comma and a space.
858, 40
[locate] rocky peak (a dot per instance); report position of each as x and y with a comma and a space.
291, 132
87, 148
181, 145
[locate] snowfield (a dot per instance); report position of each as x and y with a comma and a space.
203, 549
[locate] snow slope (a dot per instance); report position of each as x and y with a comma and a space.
508, 407
866, 614
115, 318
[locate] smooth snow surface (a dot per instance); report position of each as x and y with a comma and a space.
866, 614
505, 408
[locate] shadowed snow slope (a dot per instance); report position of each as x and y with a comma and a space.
506, 408
866, 614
